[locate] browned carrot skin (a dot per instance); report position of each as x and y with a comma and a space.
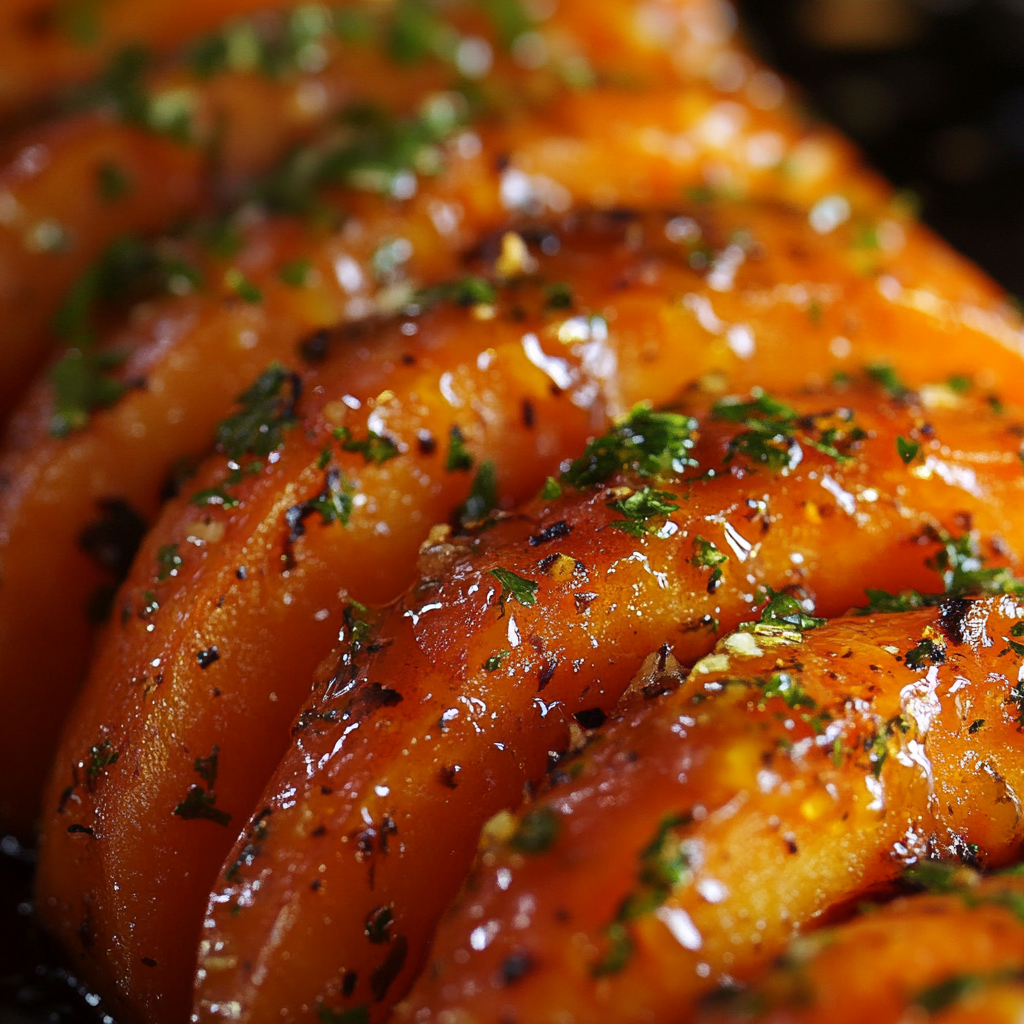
698, 834
445, 725
934, 957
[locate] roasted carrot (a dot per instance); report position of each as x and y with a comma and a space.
950, 955
409, 744
788, 775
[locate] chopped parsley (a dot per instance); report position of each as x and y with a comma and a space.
378, 153
82, 384
200, 801
787, 686
663, 864
466, 291
904, 601
649, 443
774, 432
551, 490
707, 556
961, 567
927, 652
242, 286
537, 831
111, 182
886, 376
121, 89
268, 409
518, 587
785, 611
168, 562
558, 295
483, 496
333, 503
459, 456
296, 274
101, 756
640, 507
127, 269
376, 448
494, 662
907, 450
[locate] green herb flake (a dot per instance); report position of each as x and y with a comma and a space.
483, 496
82, 384
334, 503
785, 611
242, 286
935, 876
640, 507
649, 443
375, 448
518, 587
355, 1015
663, 865
464, 292
927, 652
773, 433
268, 409
907, 450
886, 376
558, 296
111, 182
961, 567
552, 490
960, 384
495, 661
787, 686
101, 756
905, 601
168, 562
707, 556
977, 724
947, 993
296, 274
459, 457
619, 950
537, 831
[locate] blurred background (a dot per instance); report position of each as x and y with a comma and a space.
932, 91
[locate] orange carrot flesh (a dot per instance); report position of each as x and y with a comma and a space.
698, 834
395, 767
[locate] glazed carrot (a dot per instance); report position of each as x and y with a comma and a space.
670, 293
73, 188
410, 743
697, 835
952, 956
42, 48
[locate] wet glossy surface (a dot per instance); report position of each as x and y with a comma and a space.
698, 834
594, 214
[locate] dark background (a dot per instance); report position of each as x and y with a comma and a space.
932, 91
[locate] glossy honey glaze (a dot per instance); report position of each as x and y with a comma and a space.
460, 423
